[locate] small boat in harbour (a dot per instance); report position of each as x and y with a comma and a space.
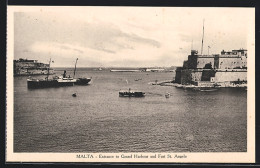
167, 95
130, 93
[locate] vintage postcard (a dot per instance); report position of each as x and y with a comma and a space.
130, 84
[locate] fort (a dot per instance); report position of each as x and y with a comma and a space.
30, 67
227, 68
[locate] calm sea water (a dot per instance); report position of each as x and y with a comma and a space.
98, 120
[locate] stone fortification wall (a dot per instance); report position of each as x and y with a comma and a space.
198, 61
196, 75
225, 76
216, 61
191, 63
178, 75
189, 76
232, 62
30, 65
186, 76
25, 64
202, 61
207, 75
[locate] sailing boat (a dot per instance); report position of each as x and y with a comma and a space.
80, 81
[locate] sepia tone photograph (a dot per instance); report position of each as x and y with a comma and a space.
130, 84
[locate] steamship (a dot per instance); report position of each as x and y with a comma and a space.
60, 81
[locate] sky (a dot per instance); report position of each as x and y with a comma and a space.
126, 36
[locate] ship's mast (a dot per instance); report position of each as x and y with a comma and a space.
75, 68
49, 69
202, 38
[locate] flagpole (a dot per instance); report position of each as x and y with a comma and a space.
202, 38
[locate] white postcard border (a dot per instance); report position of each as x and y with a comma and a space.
206, 157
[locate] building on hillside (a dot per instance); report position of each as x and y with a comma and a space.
30, 67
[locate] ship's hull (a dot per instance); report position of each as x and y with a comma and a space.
37, 84
83, 81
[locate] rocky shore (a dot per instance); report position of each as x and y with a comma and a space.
209, 85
